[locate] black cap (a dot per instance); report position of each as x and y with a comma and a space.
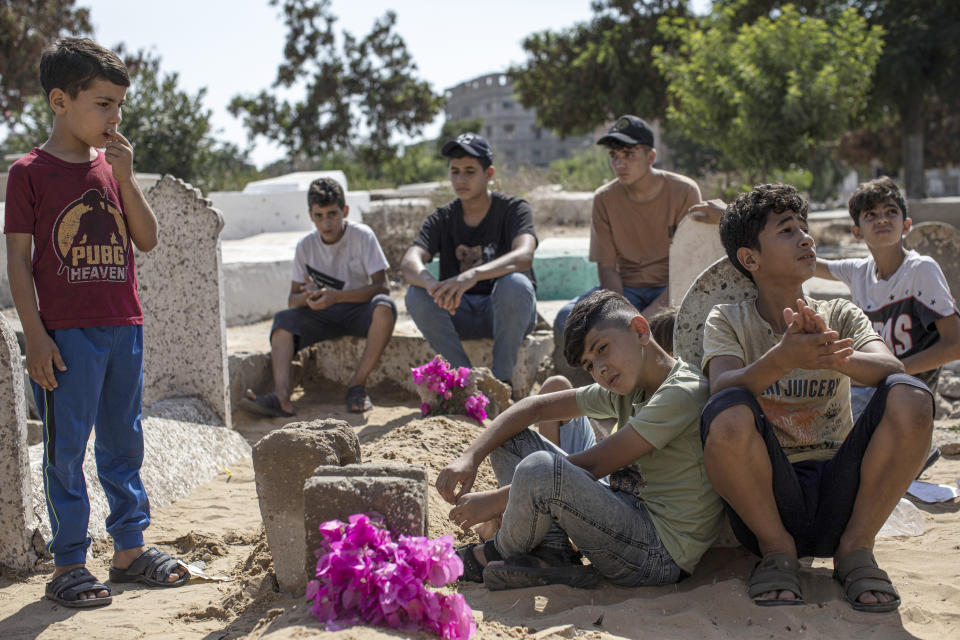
629, 130
473, 143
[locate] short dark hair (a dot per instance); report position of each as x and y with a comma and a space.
661, 327
869, 194
324, 192
617, 145
71, 64
485, 163
745, 217
602, 307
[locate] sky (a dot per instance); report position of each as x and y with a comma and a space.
234, 46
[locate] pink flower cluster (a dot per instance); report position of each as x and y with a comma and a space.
365, 577
448, 383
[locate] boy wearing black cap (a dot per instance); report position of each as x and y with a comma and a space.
634, 217
486, 241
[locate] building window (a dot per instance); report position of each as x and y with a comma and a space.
489, 107
509, 128
537, 132
508, 105
466, 112
489, 130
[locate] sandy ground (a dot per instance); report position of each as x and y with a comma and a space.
220, 523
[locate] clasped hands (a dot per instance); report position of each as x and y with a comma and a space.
809, 344
448, 293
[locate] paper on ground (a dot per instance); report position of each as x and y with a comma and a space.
929, 492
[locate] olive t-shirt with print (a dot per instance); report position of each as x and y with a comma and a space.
682, 504
462, 247
809, 409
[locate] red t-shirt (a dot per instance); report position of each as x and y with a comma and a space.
82, 259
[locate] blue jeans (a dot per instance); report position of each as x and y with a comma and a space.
553, 501
640, 297
506, 315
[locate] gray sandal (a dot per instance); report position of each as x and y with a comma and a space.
776, 572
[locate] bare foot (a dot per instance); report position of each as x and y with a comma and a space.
487, 530
123, 559
480, 506
83, 595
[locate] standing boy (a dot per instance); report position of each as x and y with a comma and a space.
654, 518
486, 242
82, 209
338, 288
799, 477
634, 219
905, 294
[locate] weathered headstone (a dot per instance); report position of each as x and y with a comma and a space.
940, 241
395, 490
720, 283
185, 340
17, 523
695, 246
282, 460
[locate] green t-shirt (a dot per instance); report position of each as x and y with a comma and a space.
685, 509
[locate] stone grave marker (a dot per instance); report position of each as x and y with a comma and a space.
185, 343
17, 522
695, 246
721, 283
940, 241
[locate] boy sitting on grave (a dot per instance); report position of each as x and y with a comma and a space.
798, 477
82, 209
649, 523
486, 242
339, 287
904, 294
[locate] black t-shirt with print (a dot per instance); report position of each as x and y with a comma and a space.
462, 247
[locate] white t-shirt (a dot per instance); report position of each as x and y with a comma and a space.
351, 260
905, 307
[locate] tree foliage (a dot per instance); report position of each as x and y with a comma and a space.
769, 93
26, 28
366, 84
587, 75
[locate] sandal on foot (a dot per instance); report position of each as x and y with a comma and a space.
266, 404
472, 569
525, 570
153, 568
776, 572
357, 400
857, 572
66, 588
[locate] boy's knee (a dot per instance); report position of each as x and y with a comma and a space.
535, 470
910, 409
555, 383
514, 288
731, 428
418, 300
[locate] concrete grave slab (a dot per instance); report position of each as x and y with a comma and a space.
720, 283
181, 290
695, 246
395, 490
17, 522
196, 452
282, 460
940, 241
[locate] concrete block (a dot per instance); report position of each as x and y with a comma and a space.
181, 290
396, 223
940, 241
17, 522
247, 370
178, 457
563, 268
573, 208
721, 283
335, 493
695, 246
282, 460
935, 210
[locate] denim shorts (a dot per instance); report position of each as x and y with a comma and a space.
814, 497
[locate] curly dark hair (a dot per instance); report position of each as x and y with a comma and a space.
326, 191
71, 64
869, 194
745, 217
602, 307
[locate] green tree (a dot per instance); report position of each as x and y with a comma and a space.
585, 76
26, 27
366, 84
770, 93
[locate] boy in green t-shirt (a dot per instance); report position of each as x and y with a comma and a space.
780, 446
647, 524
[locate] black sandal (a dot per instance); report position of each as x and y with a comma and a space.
525, 570
357, 397
65, 589
472, 569
153, 568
